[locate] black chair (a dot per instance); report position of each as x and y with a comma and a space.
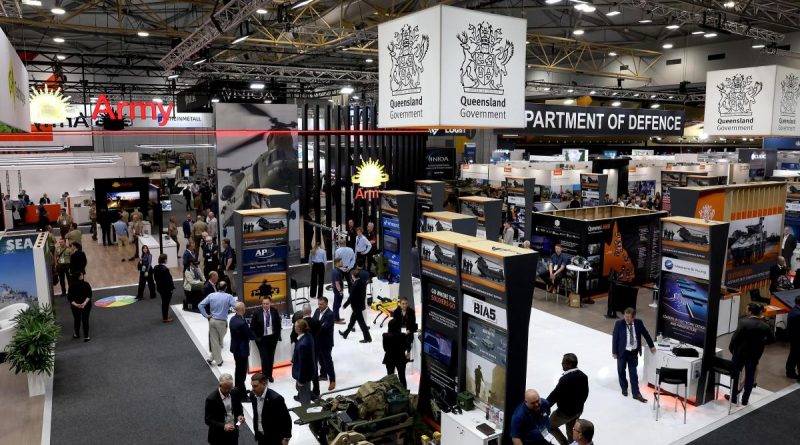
724, 367
295, 287
672, 376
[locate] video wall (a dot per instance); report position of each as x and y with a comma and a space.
114, 194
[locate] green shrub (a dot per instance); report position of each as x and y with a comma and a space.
33, 348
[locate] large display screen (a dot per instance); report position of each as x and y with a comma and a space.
122, 200
684, 308
438, 346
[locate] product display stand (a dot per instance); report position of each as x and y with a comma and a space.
262, 237
594, 187
268, 198
397, 219
693, 253
519, 203
430, 196
489, 212
449, 221
670, 179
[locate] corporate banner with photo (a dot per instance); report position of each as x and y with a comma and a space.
26, 271
257, 159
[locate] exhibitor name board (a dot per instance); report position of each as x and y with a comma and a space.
544, 119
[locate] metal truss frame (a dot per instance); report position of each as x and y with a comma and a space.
709, 18
10, 8
293, 73
537, 88
560, 54
780, 12
227, 18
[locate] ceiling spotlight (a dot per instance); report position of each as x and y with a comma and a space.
158, 100
614, 93
758, 46
257, 86
173, 76
710, 34
593, 92
673, 26
613, 13
242, 38
552, 2
369, 61
261, 11
616, 103
32, 2
636, 95
652, 96
570, 90
612, 54
301, 4
347, 90
142, 33
645, 21
199, 61
215, 100
584, 7
546, 88
729, 4
58, 39
354, 97
330, 100
670, 97
527, 42
569, 101
61, 57
654, 106
58, 11
698, 33
667, 46
578, 32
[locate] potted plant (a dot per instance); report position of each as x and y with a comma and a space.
33, 347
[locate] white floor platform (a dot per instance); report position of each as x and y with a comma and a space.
617, 420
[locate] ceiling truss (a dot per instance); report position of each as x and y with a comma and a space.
10, 8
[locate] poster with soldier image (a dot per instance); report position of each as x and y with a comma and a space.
487, 348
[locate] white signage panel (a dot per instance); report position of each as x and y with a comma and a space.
684, 267
14, 105
408, 70
485, 311
482, 69
785, 121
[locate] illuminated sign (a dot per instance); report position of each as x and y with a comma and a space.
367, 194
49, 106
133, 110
370, 174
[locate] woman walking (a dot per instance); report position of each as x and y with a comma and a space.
80, 301
318, 258
164, 285
145, 267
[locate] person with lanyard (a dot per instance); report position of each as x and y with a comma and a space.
408, 323
220, 304
241, 335
210, 255
145, 267
62, 264
626, 347
337, 284
363, 247
266, 324
272, 423
530, 422
188, 255
64, 222
318, 257
555, 269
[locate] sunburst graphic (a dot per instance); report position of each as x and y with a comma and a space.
49, 107
370, 174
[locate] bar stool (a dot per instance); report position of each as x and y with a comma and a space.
724, 367
672, 376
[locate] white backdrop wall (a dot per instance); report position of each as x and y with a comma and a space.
75, 179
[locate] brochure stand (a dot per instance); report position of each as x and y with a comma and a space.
262, 237
693, 253
397, 219
450, 222
489, 213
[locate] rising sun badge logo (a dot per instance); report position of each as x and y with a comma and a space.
370, 174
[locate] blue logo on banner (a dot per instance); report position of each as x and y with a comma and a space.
391, 224
264, 254
668, 264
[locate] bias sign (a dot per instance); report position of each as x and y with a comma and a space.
485, 311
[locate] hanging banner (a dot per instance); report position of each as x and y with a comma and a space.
753, 101
452, 67
543, 119
15, 113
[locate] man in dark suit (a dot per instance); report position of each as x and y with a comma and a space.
358, 300
788, 246
266, 324
793, 329
305, 314
626, 347
304, 363
408, 323
210, 285
324, 342
223, 410
271, 421
569, 394
240, 346
747, 346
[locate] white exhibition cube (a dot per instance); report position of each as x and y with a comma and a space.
452, 67
758, 101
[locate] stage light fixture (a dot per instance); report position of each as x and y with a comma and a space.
616, 103
61, 57
655, 106
673, 26
142, 33
698, 33
58, 11
214, 100
578, 32
347, 90
710, 34
613, 12
369, 60
261, 11
667, 46
612, 54
758, 46
257, 86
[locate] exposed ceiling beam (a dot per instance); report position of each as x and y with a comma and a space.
10, 8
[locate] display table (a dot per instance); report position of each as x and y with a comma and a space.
32, 213
577, 277
461, 429
170, 248
664, 358
283, 352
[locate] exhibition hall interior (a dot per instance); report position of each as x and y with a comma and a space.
353, 222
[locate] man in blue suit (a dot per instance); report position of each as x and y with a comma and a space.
240, 346
626, 347
304, 362
325, 318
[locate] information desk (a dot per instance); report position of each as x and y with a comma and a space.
461, 429
664, 358
170, 248
32, 213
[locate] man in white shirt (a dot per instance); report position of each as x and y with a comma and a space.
213, 226
223, 413
363, 246
271, 420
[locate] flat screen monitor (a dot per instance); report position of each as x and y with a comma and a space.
438, 346
122, 200
390, 243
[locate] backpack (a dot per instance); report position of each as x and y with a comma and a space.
372, 396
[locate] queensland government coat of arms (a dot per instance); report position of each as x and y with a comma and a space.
407, 51
738, 95
790, 91
485, 59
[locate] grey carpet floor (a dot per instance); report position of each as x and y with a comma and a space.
139, 381
775, 422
